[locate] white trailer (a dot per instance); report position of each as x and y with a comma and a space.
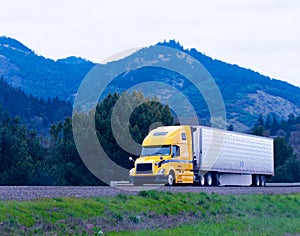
228, 158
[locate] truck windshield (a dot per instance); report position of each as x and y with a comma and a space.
156, 150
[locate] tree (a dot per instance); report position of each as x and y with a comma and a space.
66, 166
259, 130
286, 164
259, 127
147, 114
274, 126
19, 151
294, 138
268, 122
260, 121
282, 151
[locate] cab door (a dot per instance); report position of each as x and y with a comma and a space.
176, 159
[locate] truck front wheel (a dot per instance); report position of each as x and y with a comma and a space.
171, 179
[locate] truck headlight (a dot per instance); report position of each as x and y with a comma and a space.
161, 171
131, 171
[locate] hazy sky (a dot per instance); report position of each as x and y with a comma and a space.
263, 35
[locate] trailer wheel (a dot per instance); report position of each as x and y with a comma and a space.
262, 181
209, 179
171, 179
201, 180
256, 181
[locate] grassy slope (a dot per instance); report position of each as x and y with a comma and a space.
154, 213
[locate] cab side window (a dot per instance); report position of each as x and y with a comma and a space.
175, 151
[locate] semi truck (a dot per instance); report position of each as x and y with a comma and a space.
203, 156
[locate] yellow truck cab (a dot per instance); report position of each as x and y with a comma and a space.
166, 157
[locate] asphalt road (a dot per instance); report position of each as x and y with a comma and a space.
33, 192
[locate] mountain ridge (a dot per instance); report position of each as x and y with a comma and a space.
242, 89
39, 76
14, 44
73, 60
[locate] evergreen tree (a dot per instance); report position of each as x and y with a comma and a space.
142, 118
67, 167
274, 126
287, 167
286, 163
19, 152
260, 121
259, 127
268, 122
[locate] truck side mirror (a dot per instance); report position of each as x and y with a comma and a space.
131, 159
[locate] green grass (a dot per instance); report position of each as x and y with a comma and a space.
235, 226
154, 213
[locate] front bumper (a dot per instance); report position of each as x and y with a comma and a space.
149, 179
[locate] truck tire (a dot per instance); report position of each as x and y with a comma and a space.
262, 181
256, 181
171, 179
209, 179
201, 180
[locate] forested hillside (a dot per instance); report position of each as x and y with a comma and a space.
29, 159
35, 113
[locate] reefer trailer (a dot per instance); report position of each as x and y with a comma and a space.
203, 155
